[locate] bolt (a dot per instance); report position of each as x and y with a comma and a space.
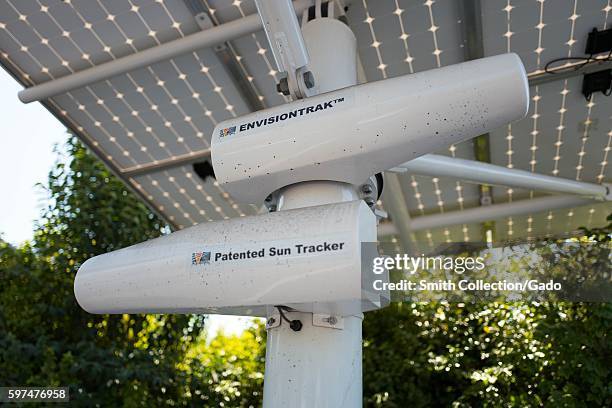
366, 189
283, 86
295, 325
309, 80
272, 208
332, 320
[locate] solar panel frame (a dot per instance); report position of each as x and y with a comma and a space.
116, 120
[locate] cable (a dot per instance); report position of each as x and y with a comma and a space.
295, 325
587, 60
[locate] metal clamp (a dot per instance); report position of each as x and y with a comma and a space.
329, 321
288, 48
273, 321
608, 196
368, 192
271, 201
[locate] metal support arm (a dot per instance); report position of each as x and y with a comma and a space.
395, 203
479, 172
287, 44
487, 213
203, 39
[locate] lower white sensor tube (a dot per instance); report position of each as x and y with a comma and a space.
307, 258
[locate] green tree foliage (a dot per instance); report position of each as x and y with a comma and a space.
231, 367
425, 354
45, 337
496, 354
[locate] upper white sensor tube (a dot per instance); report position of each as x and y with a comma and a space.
350, 134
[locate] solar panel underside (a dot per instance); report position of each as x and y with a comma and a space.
168, 110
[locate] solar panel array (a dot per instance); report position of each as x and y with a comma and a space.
167, 111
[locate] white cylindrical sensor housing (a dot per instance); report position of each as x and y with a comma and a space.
334, 66
307, 258
352, 133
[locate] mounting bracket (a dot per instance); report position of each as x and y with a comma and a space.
288, 48
324, 320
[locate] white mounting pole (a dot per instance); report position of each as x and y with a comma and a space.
315, 367
318, 366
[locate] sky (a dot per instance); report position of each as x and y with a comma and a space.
28, 135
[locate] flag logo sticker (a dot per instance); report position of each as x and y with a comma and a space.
200, 258
227, 131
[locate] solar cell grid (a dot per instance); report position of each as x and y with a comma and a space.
167, 110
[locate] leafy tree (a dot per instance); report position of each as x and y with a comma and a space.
496, 354
231, 366
488, 355
47, 339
